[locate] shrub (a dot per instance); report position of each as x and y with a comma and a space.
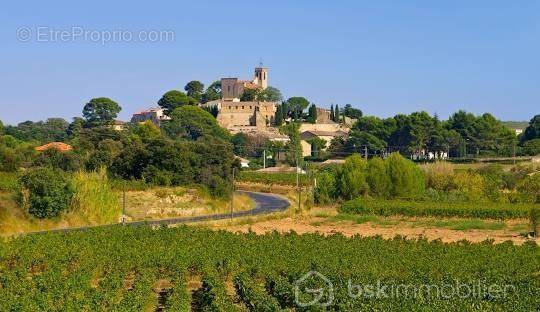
529, 188
352, 177
53, 158
46, 192
534, 217
377, 178
407, 179
8, 181
532, 147
325, 190
95, 200
439, 176
471, 184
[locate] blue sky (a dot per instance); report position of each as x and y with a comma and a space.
384, 57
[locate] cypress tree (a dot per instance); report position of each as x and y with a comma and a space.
279, 115
336, 114
332, 112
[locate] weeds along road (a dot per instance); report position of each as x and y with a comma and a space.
265, 203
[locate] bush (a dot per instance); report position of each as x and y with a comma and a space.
352, 177
532, 147
471, 184
324, 192
534, 217
95, 200
53, 158
46, 192
377, 178
439, 176
8, 182
529, 188
407, 179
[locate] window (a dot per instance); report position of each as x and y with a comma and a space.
242, 107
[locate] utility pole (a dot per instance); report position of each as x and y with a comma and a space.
232, 194
365, 151
514, 153
124, 203
298, 182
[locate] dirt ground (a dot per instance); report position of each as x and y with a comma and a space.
313, 224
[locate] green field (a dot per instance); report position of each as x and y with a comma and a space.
140, 269
478, 210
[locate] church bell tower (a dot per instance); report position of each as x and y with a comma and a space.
261, 76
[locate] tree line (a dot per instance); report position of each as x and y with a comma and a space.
462, 135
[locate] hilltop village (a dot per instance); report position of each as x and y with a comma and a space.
252, 107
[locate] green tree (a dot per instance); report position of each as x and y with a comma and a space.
146, 130
317, 146
532, 147
192, 122
336, 114
332, 117
239, 141
352, 177
351, 112
533, 130
407, 179
76, 126
53, 158
194, 89
312, 114
278, 119
270, 94
174, 99
297, 105
213, 92
250, 95
101, 111
45, 192
293, 154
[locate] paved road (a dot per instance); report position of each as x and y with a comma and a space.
265, 203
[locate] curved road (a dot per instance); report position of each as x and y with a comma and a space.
265, 203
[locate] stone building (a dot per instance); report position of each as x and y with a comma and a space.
238, 116
327, 136
155, 115
233, 88
246, 115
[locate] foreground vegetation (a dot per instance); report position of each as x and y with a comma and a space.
122, 268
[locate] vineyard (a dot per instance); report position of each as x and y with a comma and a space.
177, 269
481, 210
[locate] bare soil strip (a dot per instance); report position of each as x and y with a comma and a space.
311, 224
